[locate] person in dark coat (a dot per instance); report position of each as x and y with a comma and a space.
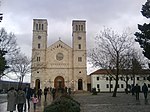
45, 92
11, 97
137, 91
21, 99
53, 93
132, 89
28, 93
145, 90
39, 93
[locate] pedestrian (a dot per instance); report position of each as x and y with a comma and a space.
45, 92
53, 93
69, 91
145, 90
33, 91
132, 89
21, 99
11, 98
28, 93
35, 101
137, 91
39, 93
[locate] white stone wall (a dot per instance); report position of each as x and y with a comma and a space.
103, 82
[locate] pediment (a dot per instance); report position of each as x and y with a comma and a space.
59, 45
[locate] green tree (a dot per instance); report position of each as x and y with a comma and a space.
143, 37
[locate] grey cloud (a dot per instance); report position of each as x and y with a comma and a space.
60, 13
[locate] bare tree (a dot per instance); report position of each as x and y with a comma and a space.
110, 51
20, 65
9, 46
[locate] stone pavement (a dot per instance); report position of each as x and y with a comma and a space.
104, 102
40, 104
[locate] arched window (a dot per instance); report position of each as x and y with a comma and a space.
39, 45
76, 27
79, 46
39, 26
42, 27
38, 58
37, 84
80, 84
81, 27
79, 59
36, 26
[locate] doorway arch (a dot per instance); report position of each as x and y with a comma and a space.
80, 84
59, 82
37, 84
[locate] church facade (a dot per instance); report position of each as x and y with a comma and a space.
59, 65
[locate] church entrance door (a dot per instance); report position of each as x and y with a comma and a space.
37, 84
59, 82
80, 85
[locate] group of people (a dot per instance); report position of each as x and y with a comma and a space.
22, 97
19, 97
137, 89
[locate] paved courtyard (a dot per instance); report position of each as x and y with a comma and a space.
103, 102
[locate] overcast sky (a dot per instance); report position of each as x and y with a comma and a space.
18, 17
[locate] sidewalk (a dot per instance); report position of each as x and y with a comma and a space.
40, 105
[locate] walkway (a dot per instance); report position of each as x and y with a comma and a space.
104, 102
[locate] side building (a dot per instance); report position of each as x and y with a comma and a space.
103, 81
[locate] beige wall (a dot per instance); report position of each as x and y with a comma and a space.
69, 67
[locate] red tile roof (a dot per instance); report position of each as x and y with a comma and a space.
106, 71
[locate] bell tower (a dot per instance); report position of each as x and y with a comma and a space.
39, 46
79, 54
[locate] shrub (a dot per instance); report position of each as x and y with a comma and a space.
64, 103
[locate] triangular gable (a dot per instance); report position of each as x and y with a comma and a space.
60, 44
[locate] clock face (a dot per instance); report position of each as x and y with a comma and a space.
59, 56
79, 38
39, 37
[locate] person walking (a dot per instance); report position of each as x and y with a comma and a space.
11, 97
145, 90
39, 93
137, 91
53, 93
35, 101
132, 89
28, 93
21, 99
45, 92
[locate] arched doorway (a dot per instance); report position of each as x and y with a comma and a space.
80, 85
59, 82
37, 84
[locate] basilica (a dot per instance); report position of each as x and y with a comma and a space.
59, 65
